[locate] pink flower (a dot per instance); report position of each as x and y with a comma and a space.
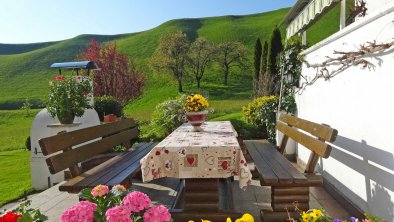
157, 213
83, 211
136, 201
118, 214
100, 190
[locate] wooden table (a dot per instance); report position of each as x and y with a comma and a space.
207, 160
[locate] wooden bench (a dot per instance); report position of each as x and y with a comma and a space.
288, 185
68, 149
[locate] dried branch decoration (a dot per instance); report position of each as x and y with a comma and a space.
344, 61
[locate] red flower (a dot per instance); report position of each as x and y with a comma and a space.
10, 217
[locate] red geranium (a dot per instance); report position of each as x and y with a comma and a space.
10, 217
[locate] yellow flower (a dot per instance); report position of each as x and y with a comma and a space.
120, 187
205, 220
191, 221
228, 219
305, 216
245, 218
317, 213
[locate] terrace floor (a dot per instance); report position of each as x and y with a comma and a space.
52, 202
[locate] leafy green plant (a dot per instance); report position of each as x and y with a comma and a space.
27, 107
68, 98
290, 63
267, 114
166, 118
118, 149
107, 105
261, 112
251, 112
288, 104
28, 214
247, 131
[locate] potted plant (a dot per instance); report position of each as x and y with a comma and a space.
68, 98
196, 110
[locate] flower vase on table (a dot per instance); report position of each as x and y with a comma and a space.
196, 110
196, 119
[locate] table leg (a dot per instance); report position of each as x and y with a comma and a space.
206, 199
201, 195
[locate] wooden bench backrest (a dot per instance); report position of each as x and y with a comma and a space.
321, 133
112, 134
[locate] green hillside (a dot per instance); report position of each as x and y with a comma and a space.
24, 68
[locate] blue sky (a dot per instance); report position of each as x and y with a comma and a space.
26, 21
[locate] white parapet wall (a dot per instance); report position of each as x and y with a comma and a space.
359, 103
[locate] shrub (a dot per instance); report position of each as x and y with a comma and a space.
14, 104
166, 118
247, 131
107, 105
261, 113
251, 112
267, 114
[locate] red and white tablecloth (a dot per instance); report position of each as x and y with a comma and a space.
213, 153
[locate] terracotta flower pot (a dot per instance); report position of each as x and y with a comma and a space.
196, 119
110, 118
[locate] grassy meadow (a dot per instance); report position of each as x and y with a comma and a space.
15, 175
15, 128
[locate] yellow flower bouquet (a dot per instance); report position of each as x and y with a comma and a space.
195, 103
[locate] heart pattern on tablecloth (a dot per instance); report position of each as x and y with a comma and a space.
146, 171
210, 160
224, 165
190, 160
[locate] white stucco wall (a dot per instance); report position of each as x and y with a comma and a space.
376, 5
360, 105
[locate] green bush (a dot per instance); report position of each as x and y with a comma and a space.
166, 117
107, 105
251, 112
267, 114
248, 131
15, 104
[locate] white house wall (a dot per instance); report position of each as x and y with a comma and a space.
359, 103
375, 5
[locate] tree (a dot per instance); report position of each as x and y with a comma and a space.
200, 56
264, 57
118, 77
171, 55
230, 54
274, 50
257, 58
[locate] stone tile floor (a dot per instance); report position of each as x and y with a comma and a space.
52, 202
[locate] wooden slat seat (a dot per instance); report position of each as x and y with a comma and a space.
67, 150
288, 184
117, 170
